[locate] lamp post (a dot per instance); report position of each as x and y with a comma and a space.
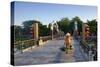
75, 30
75, 25
52, 30
83, 32
35, 33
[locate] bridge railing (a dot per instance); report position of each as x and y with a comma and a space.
20, 45
90, 46
85, 46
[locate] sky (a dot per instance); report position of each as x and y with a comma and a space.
46, 12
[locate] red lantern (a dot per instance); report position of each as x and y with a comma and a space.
87, 31
32, 32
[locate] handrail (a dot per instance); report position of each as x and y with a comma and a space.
23, 41
20, 45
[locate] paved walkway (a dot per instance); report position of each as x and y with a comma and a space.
51, 53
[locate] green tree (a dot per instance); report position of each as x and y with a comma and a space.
17, 32
63, 24
43, 30
93, 26
79, 24
27, 25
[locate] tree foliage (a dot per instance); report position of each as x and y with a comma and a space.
93, 26
63, 24
79, 24
67, 25
17, 32
43, 30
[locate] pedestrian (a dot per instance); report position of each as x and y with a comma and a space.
68, 41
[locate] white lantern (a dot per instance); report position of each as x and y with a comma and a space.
51, 26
